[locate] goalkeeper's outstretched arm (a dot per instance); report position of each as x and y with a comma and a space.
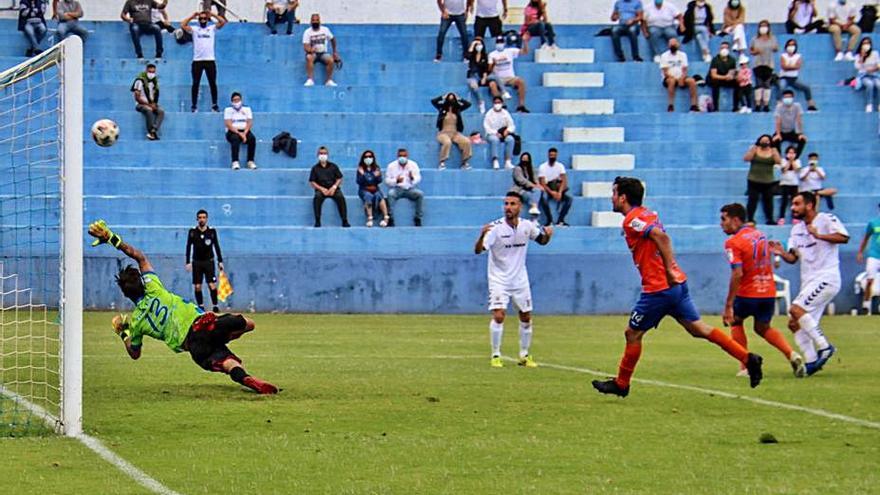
103, 235
120, 326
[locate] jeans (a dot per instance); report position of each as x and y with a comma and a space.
701, 34
495, 142
747, 96
460, 24
792, 82
35, 34
68, 28
543, 30
235, 144
338, 198
474, 87
786, 194
533, 196
660, 37
371, 198
411, 194
716, 86
562, 207
153, 118
209, 67
870, 83
765, 193
272, 18
631, 32
137, 30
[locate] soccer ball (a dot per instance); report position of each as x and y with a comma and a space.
105, 132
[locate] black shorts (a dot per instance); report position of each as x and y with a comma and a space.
208, 347
204, 269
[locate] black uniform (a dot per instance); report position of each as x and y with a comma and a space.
203, 244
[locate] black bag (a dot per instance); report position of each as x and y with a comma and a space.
868, 19
517, 145
284, 142
512, 39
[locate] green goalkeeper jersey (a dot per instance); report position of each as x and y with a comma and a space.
162, 315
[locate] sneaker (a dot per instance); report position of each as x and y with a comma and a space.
812, 108
384, 222
390, 221
637, 59
442, 166
482, 107
437, 59
236, 165
465, 166
656, 59
330, 83
753, 365
849, 57
309, 82
317, 225
533, 210
747, 109
527, 361
707, 58
151, 136
522, 109
506, 95
838, 57
193, 109
561, 224
261, 387
610, 387
744, 110
869, 108
273, 33
215, 309
797, 365
670, 108
695, 108
508, 164
780, 222
345, 224
417, 222
496, 362
251, 165
369, 222
215, 108
495, 164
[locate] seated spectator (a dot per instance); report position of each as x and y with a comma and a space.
526, 184
499, 127
744, 82
662, 21
802, 18
478, 70
536, 23
450, 127
502, 73
325, 179
789, 180
315, 42
554, 187
735, 24
789, 118
160, 17
628, 16
790, 68
811, 179
281, 11
722, 74
763, 48
402, 176
68, 13
145, 90
699, 24
866, 65
488, 17
453, 12
842, 19
139, 16
32, 22
674, 74
239, 121
369, 177
762, 159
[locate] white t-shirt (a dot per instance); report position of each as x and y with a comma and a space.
410, 172
789, 59
238, 117
790, 177
487, 8
675, 64
156, 15
819, 259
203, 41
318, 39
455, 7
507, 248
664, 16
551, 173
842, 13
810, 179
503, 61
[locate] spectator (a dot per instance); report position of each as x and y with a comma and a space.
139, 16
325, 179
369, 177
674, 74
450, 127
32, 22
735, 24
453, 11
790, 64
789, 117
662, 21
722, 74
68, 13
478, 70
866, 65
628, 16
488, 18
762, 159
811, 179
281, 11
762, 49
526, 184
499, 127
315, 45
145, 89
802, 18
536, 23
160, 17
554, 187
699, 24
220, 6
239, 121
203, 33
744, 82
402, 176
842, 19
503, 74
789, 180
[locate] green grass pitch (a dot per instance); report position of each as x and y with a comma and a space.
409, 405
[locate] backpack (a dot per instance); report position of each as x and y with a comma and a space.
868, 19
284, 142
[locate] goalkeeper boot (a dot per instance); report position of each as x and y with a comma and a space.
527, 361
259, 386
496, 362
610, 387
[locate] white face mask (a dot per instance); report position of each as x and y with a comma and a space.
724, 52
478, 47
814, 163
151, 75
791, 49
498, 107
322, 158
499, 47
237, 105
402, 160
787, 100
368, 160
763, 30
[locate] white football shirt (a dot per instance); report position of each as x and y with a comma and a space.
238, 117
507, 248
819, 259
203, 41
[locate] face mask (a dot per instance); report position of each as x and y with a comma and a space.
478, 47
866, 48
316, 25
498, 107
368, 160
203, 22
764, 145
787, 101
814, 163
724, 52
499, 47
658, 2
151, 75
551, 161
673, 48
734, 4
402, 160
322, 158
791, 49
237, 105
763, 30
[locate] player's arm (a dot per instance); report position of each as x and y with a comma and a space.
790, 256
736, 275
185, 23
833, 238
480, 246
664, 245
121, 327
544, 237
221, 21
103, 235
860, 255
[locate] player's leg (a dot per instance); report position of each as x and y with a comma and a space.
522, 299
498, 301
233, 368
230, 327
806, 310
775, 338
872, 271
741, 312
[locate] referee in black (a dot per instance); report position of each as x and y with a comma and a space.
202, 242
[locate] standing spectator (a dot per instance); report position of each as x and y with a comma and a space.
744, 82
789, 180
866, 65
488, 17
762, 159
526, 184
628, 16
139, 16
32, 22
789, 118
160, 17
869, 253
699, 24
790, 64
662, 21
369, 177
536, 23
450, 127
402, 176
499, 127
203, 33
281, 11
201, 244
145, 90
503, 74
478, 70
219, 6
735, 24
802, 18
315, 45
722, 74
453, 11
812, 178
674, 74
68, 13
554, 186
842, 19
763, 49
239, 121
325, 179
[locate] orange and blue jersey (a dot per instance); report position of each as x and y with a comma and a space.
637, 225
748, 248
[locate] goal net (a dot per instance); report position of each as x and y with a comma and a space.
41, 239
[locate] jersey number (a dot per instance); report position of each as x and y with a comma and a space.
160, 312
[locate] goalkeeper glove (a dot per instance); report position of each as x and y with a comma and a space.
120, 326
102, 234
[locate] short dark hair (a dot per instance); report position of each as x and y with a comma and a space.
734, 210
790, 148
512, 194
202, 211
812, 154
151, 66
788, 92
497, 98
632, 188
808, 197
552, 150
724, 43
402, 150
130, 283
234, 94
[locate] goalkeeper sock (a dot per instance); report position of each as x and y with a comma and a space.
238, 374
496, 331
200, 298
214, 297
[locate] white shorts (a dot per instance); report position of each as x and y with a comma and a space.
814, 296
500, 297
872, 268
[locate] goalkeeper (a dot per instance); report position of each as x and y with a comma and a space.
165, 316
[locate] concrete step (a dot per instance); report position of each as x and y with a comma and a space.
600, 106
606, 219
592, 189
565, 56
574, 79
592, 135
603, 162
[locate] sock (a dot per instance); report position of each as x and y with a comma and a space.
496, 331
775, 338
525, 338
867, 304
809, 325
738, 334
238, 374
806, 344
631, 355
214, 297
721, 339
200, 299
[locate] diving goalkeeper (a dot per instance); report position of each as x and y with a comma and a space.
165, 316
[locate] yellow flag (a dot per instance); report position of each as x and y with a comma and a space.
224, 288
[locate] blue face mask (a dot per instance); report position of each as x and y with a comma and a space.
658, 2
402, 160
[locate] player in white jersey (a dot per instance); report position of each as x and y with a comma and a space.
507, 240
814, 242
